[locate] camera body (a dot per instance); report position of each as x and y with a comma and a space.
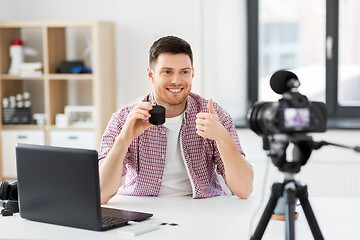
292, 114
287, 121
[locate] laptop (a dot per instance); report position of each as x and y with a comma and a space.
61, 186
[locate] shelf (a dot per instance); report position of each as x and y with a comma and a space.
22, 126
52, 92
62, 76
18, 77
34, 126
53, 127
54, 76
54, 23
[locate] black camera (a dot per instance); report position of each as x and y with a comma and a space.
293, 113
279, 124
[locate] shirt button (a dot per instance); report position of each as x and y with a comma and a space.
163, 156
162, 132
159, 180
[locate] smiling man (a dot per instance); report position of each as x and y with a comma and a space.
190, 154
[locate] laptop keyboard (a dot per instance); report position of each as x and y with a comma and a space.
110, 220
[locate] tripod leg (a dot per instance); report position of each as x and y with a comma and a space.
290, 194
310, 217
276, 192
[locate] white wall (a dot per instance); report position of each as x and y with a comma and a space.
216, 29
138, 24
213, 35
225, 54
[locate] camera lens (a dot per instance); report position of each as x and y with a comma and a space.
260, 118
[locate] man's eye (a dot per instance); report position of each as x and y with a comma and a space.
166, 72
185, 72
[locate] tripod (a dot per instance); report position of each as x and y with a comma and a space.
291, 191
276, 146
289, 188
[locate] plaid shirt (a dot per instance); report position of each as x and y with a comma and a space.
145, 160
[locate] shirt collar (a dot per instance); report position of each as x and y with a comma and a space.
190, 107
151, 98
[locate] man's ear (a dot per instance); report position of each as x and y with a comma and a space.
192, 72
150, 74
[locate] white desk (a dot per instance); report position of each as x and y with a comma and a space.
213, 218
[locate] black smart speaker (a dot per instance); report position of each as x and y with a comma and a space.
157, 115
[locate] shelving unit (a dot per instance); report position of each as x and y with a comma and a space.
56, 41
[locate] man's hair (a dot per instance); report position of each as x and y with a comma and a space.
169, 44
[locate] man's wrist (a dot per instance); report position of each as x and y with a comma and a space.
223, 135
123, 140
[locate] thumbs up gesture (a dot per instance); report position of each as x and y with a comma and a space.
208, 124
211, 107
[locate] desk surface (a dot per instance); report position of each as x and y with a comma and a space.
213, 218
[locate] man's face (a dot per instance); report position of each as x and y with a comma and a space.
171, 76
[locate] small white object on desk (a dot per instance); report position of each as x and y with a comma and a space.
137, 228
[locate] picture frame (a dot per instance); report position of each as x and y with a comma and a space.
80, 116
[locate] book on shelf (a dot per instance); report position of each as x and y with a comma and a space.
32, 69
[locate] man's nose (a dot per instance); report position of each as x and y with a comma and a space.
176, 79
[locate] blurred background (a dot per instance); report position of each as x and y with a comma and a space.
237, 46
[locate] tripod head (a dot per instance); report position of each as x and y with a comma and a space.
276, 146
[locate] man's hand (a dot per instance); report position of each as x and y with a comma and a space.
239, 174
208, 124
136, 122
111, 169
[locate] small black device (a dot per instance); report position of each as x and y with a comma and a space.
157, 115
61, 186
67, 66
9, 197
292, 114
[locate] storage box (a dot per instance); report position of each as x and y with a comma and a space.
80, 116
16, 115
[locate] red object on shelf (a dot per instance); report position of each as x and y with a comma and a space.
17, 42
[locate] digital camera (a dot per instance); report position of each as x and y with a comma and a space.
293, 113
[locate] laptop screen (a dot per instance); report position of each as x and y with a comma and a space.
59, 185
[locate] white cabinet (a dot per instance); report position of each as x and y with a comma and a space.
61, 138
9, 139
73, 138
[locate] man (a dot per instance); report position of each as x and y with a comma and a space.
182, 156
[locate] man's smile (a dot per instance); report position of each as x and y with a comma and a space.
174, 90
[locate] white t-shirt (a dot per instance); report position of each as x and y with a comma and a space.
175, 181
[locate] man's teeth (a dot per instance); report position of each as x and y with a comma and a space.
175, 90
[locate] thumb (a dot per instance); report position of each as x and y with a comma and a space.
211, 107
